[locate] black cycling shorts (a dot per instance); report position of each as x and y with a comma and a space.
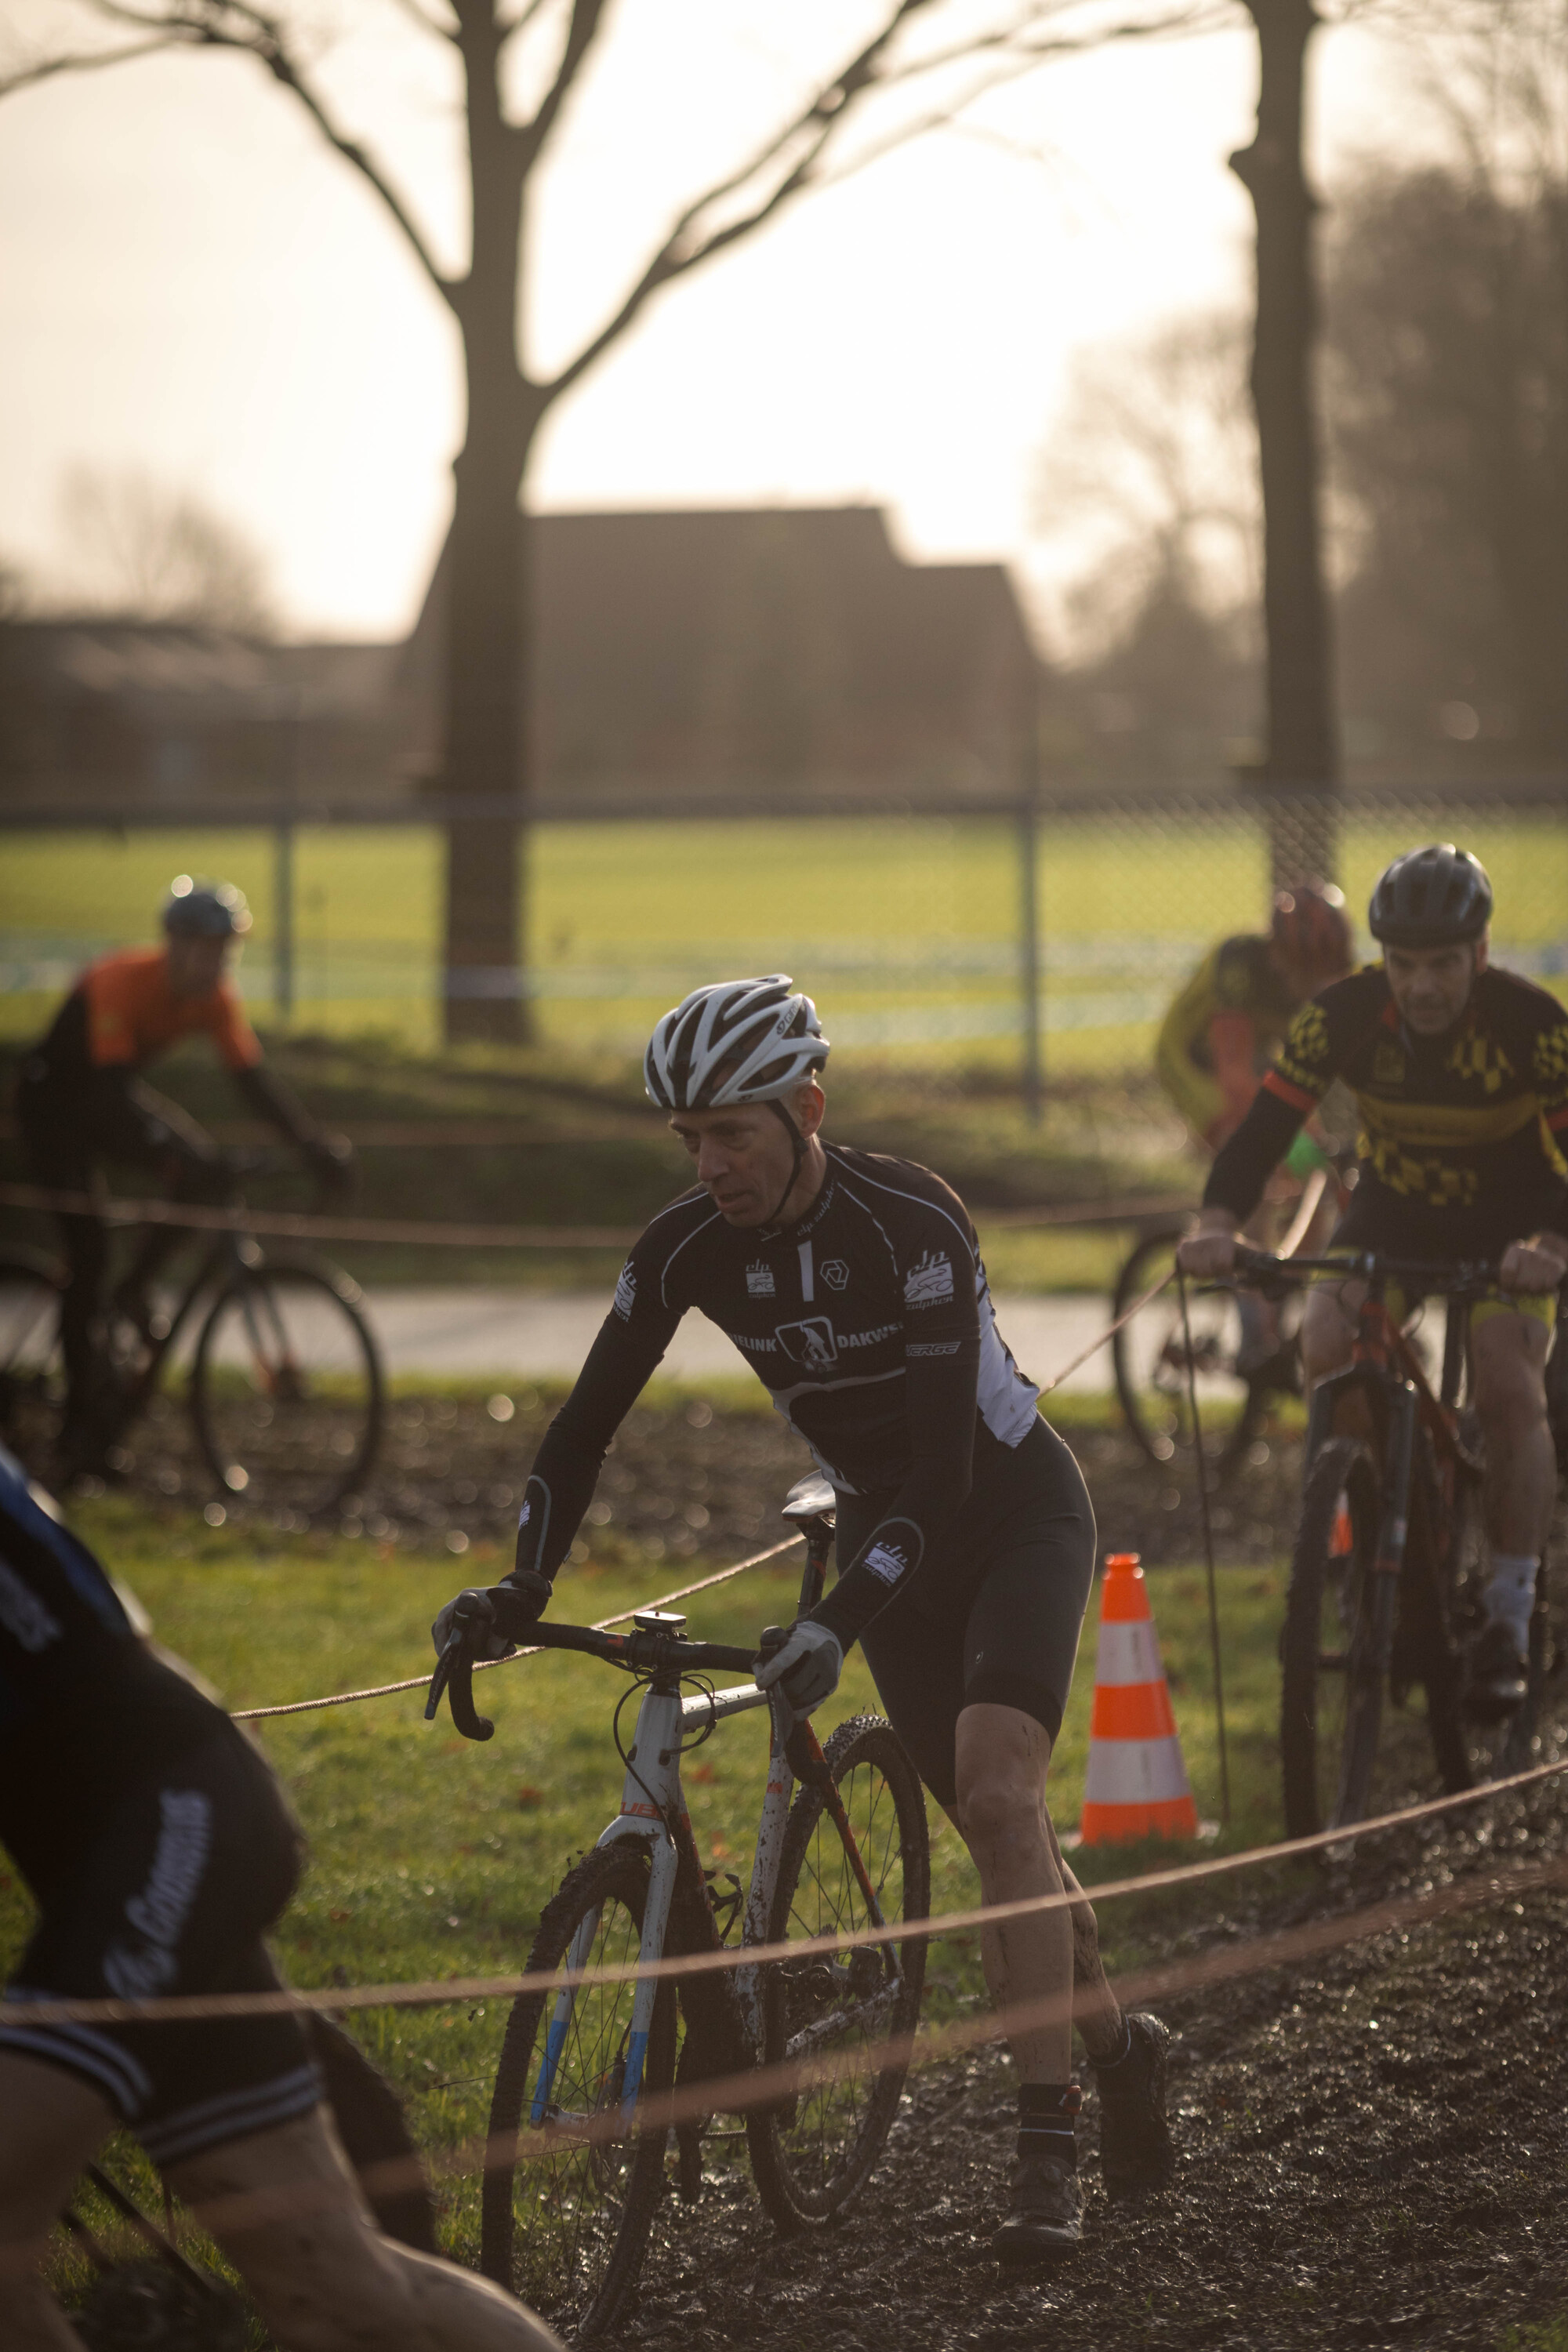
993, 1617
171, 1896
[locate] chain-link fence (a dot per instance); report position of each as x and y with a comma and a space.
948, 943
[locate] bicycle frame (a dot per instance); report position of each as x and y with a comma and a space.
653, 1811
1384, 1368
227, 1255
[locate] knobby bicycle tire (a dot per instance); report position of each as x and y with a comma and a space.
585, 2217
32, 1379
323, 1448
1322, 1748
1160, 1431
812, 2153
1467, 1751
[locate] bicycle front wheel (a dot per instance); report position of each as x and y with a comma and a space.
842, 2012
1149, 1359
286, 1389
1332, 1694
566, 2216
32, 1374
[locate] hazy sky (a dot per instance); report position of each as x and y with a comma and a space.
192, 284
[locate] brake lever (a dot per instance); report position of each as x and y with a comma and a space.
1255, 1270
455, 1674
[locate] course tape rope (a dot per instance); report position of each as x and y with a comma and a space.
290, 1224
482, 1666
336, 2001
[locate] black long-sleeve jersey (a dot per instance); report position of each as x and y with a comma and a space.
85, 1701
1474, 1121
871, 1323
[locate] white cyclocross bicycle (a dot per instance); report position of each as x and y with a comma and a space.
574, 2180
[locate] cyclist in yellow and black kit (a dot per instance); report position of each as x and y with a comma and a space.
1460, 1075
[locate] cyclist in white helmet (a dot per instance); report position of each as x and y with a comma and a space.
852, 1285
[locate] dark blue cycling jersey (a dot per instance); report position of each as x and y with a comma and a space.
61, 1618
85, 1701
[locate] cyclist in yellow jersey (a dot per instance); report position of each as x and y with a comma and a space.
1221, 1031
1460, 1075
1219, 1036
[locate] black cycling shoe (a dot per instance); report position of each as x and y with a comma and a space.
1045, 2212
1494, 1680
1135, 2146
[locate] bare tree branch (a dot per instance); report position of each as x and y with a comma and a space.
580, 34
44, 69
818, 123
522, 21
1015, 65
427, 22
240, 25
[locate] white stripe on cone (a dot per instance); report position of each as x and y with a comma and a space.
1129, 1653
1135, 1772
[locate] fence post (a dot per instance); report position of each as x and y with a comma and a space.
1029, 975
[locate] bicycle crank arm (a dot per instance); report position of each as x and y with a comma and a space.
861, 2018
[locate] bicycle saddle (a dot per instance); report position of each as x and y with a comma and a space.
810, 1497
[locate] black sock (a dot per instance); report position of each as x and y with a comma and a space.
1046, 2114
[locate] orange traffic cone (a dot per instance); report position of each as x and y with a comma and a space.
1137, 1782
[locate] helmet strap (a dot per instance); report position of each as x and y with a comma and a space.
797, 1161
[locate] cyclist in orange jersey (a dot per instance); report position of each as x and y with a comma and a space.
82, 1101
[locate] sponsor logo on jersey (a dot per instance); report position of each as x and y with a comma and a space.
759, 1279
626, 1292
835, 1272
886, 1562
932, 1348
23, 1615
810, 1343
756, 1347
929, 1280
1387, 1063
159, 1912
868, 1339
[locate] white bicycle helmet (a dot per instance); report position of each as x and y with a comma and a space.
736, 1041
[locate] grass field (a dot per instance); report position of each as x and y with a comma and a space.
429, 1857
906, 929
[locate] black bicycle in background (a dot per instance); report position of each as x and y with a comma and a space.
1390, 1560
285, 1381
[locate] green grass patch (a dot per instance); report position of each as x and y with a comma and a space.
907, 937
430, 1857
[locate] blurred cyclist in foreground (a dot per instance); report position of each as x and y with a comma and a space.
82, 1101
158, 1845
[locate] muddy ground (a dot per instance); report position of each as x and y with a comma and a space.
1374, 2143
1372, 2151
685, 1478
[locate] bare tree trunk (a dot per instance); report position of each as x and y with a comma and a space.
1301, 770
488, 636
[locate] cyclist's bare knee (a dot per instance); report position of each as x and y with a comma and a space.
1510, 1356
286, 2210
1329, 1326
51, 2126
1003, 1756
